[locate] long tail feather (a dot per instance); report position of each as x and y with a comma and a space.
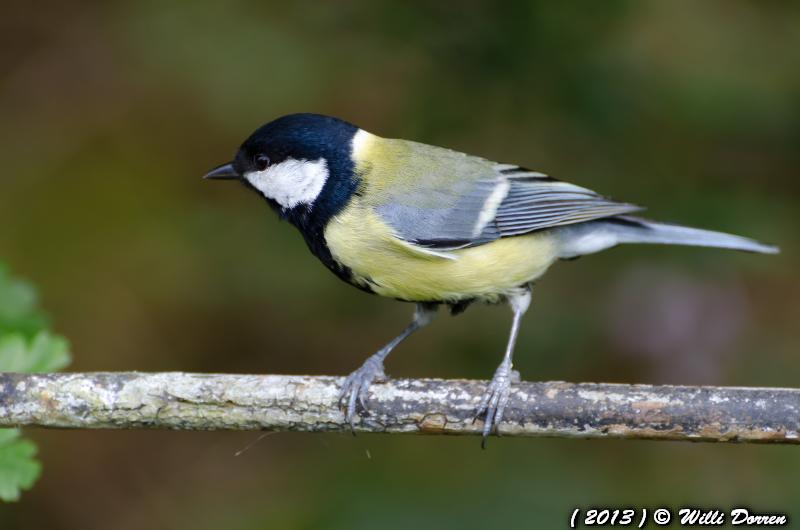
592, 237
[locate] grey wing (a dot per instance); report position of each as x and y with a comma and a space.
507, 201
535, 201
438, 219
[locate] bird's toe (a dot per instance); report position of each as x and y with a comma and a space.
355, 389
495, 400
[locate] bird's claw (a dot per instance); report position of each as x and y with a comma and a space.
356, 385
495, 399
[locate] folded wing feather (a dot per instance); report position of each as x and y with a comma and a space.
502, 201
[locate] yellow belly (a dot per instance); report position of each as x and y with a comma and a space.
360, 240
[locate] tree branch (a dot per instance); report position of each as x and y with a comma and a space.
131, 400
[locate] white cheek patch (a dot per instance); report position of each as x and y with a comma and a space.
291, 182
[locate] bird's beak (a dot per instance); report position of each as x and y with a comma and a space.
223, 172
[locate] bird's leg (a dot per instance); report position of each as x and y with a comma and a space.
495, 399
355, 387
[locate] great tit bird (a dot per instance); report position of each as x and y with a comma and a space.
435, 227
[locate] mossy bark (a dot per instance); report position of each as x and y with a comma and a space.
304, 403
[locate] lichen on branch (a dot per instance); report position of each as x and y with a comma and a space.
132, 400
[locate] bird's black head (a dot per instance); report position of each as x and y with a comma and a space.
302, 164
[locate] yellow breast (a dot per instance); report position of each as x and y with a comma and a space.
360, 240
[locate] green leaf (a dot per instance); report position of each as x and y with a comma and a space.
18, 310
45, 353
25, 346
18, 467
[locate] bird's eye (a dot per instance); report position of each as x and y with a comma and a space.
261, 162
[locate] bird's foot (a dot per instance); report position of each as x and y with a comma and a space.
356, 385
495, 399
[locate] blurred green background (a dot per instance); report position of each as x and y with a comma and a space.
110, 112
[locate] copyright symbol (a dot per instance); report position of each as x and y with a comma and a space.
662, 516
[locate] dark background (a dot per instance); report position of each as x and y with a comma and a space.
111, 112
